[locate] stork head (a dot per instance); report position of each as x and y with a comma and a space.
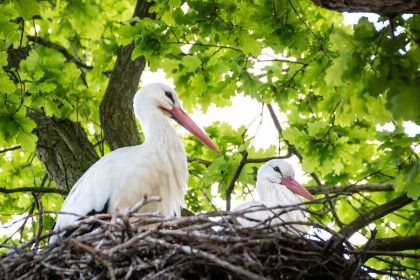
162, 98
278, 171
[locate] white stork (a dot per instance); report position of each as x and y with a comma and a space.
276, 186
158, 167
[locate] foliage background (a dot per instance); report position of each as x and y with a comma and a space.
335, 83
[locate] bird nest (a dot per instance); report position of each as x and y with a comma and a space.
135, 245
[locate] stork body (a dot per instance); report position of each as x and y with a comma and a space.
276, 187
124, 176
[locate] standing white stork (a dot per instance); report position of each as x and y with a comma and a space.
158, 167
276, 186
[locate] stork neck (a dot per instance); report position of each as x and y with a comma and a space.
156, 128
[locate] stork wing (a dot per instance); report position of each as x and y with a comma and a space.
92, 192
122, 178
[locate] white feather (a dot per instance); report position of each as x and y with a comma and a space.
273, 194
158, 167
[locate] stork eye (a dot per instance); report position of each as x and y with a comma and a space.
169, 95
277, 169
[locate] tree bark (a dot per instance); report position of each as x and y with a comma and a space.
64, 149
351, 188
382, 7
376, 213
63, 145
398, 243
116, 111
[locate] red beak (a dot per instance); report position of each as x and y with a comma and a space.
183, 119
296, 188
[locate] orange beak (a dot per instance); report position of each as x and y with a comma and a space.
183, 119
296, 188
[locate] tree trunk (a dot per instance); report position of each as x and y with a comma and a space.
382, 7
64, 149
63, 145
116, 112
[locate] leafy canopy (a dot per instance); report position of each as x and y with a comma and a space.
336, 83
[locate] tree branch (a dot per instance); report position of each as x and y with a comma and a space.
373, 253
399, 243
9, 149
292, 148
374, 214
275, 120
207, 163
248, 160
33, 190
60, 49
64, 149
388, 7
235, 177
262, 160
116, 110
351, 188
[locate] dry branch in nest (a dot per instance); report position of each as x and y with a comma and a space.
136, 245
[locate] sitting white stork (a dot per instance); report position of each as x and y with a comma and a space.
276, 186
158, 167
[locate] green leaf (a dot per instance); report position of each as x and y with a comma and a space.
51, 109
404, 104
27, 8
198, 84
138, 51
3, 58
413, 181
191, 62
364, 29
6, 85
26, 141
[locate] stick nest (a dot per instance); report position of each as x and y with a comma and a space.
207, 246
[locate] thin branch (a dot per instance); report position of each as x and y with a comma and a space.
33, 190
262, 160
385, 253
292, 148
199, 160
375, 213
206, 45
282, 60
60, 49
213, 258
306, 25
235, 177
9, 149
275, 119
398, 243
207, 163
351, 188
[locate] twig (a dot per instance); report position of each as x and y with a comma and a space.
375, 213
33, 190
191, 251
9, 149
60, 49
282, 60
275, 120
247, 161
235, 177
97, 255
141, 203
199, 160
129, 243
